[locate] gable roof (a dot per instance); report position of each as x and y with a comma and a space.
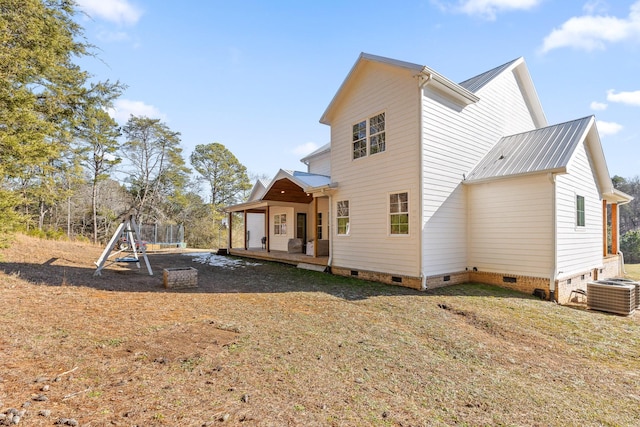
478, 82
427, 76
258, 189
541, 150
324, 149
520, 71
548, 150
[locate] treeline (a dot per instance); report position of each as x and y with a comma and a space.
66, 166
629, 218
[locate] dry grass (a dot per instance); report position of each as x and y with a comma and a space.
273, 345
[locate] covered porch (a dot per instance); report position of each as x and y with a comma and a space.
280, 256
286, 220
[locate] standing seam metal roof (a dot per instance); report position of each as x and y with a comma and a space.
539, 150
475, 83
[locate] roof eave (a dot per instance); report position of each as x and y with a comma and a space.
555, 171
456, 92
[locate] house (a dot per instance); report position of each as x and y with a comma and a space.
428, 183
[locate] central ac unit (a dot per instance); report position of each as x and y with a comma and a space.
611, 296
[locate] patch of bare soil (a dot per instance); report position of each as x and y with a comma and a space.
271, 345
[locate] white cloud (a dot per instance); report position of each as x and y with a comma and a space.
488, 9
591, 32
629, 98
598, 106
124, 108
608, 128
595, 6
118, 11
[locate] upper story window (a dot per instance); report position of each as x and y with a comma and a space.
399, 213
580, 222
369, 136
342, 214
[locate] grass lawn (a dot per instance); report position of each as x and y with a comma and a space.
271, 345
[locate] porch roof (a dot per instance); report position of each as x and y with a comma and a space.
288, 187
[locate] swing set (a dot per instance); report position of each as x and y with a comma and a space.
124, 240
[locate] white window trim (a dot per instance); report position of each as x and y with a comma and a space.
367, 138
279, 215
348, 231
387, 201
575, 212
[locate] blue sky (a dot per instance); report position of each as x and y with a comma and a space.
257, 75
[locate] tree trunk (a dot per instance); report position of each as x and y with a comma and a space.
94, 209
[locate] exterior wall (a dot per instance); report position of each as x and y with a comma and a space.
511, 226
367, 182
579, 249
455, 140
281, 242
320, 164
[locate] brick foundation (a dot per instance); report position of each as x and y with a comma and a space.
389, 279
524, 284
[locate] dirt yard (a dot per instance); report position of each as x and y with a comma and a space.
272, 345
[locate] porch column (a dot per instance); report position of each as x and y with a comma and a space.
314, 233
230, 228
246, 243
604, 228
614, 228
266, 231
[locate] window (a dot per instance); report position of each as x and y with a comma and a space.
399, 213
319, 225
360, 140
343, 217
376, 134
280, 224
580, 211
369, 140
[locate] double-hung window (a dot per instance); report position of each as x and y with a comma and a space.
369, 136
580, 221
280, 224
399, 213
342, 214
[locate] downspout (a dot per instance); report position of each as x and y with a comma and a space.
330, 233
554, 238
423, 80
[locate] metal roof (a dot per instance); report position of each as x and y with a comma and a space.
311, 180
541, 150
475, 83
324, 149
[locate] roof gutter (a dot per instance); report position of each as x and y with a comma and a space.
454, 91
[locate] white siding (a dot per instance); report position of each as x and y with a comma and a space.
367, 182
454, 141
320, 165
579, 248
281, 242
511, 226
